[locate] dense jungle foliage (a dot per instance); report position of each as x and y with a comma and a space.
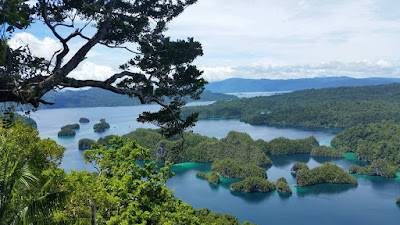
331, 107
230, 168
378, 168
326, 173
253, 184
326, 151
34, 190
282, 186
198, 148
372, 142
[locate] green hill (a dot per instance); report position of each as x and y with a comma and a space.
331, 107
96, 97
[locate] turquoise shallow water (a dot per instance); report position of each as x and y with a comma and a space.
372, 201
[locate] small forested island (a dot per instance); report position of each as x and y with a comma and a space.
326, 173
66, 133
85, 143
282, 186
398, 200
298, 166
253, 184
285, 146
84, 120
341, 107
212, 178
377, 144
326, 151
197, 148
230, 168
68, 130
101, 127
379, 167
71, 126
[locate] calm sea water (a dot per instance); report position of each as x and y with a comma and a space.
372, 201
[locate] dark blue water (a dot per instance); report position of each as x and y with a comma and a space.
372, 201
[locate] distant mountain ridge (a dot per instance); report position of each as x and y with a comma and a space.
95, 97
234, 85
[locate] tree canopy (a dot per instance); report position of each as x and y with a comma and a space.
160, 67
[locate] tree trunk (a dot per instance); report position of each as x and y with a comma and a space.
93, 213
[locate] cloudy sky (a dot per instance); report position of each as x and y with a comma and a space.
272, 39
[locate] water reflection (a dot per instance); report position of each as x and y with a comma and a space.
253, 198
281, 161
324, 189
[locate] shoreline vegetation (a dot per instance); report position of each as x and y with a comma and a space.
101, 127
326, 173
341, 107
376, 144
95, 97
68, 130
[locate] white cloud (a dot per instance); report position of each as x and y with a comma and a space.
360, 69
237, 32
92, 71
42, 48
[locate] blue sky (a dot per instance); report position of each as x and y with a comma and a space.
276, 39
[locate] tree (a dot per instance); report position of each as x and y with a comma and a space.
30, 180
122, 192
160, 68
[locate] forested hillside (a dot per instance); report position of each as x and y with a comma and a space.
96, 97
258, 85
331, 107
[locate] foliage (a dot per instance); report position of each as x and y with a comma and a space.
163, 67
104, 141
298, 166
84, 120
198, 148
371, 142
201, 174
122, 192
66, 132
282, 186
230, 168
212, 178
326, 173
398, 200
30, 180
85, 143
378, 168
331, 107
326, 151
285, 146
253, 184
96, 97
71, 126
101, 127
9, 116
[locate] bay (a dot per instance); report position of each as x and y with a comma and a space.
372, 201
